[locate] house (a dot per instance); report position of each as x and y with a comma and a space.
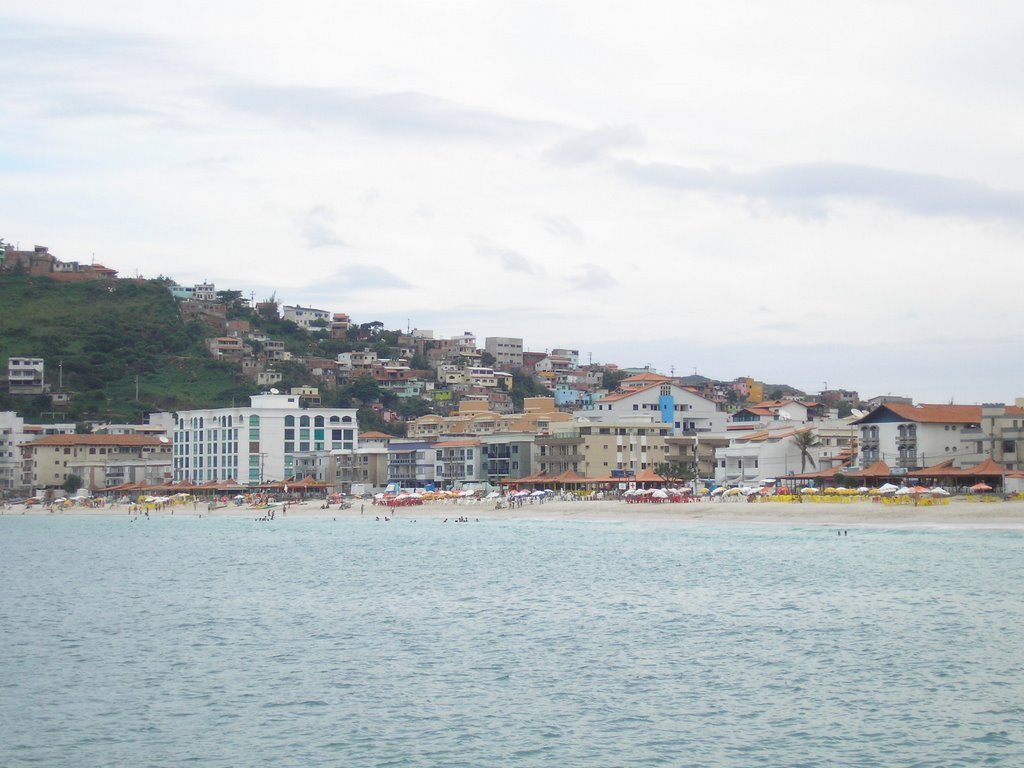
771, 411
306, 317
229, 347
25, 375
765, 454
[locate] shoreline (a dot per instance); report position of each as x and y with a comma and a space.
1005, 515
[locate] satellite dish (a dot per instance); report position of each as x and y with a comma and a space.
857, 413
274, 391
785, 415
164, 440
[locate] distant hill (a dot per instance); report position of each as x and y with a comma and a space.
106, 333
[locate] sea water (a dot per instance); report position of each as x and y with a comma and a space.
309, 642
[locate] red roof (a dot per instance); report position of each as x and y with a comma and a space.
930, 414
878, 469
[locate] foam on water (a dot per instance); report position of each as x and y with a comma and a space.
313, 642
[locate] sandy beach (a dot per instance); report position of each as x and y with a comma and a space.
957, 512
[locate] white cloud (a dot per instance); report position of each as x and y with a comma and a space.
741, 188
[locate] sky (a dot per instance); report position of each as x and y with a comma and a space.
815, 194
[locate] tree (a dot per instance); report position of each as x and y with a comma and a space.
610, 379
844, 409
365, 389
805, 441
72, 484
674, 472
487, 359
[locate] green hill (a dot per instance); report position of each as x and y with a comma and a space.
105, 334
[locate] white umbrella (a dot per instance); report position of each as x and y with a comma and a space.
659, 494
492, 495
537, 493
903, 491
939, 491
808, 490
888, 488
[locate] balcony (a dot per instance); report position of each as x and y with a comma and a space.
551, 442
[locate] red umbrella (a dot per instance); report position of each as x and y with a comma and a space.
981, 487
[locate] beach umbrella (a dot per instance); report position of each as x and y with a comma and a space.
718, 491
863, 489
888, 488
808, 490
537, 493
918, 489
937, 491
904, 491
492, 495
659, 494
979, 487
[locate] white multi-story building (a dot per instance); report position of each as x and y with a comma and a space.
305, 317
910, 437
12, 436
255, 444
572, 355
772, 453
685, 410
205, 292
25, 375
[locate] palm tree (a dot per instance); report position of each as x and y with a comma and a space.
805, 441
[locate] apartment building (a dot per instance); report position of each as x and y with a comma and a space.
506, 350
257, 443
101, 461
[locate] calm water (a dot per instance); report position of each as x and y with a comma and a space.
312, 642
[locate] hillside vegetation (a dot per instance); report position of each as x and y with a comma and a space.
105, 334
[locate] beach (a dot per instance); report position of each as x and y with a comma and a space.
956, 512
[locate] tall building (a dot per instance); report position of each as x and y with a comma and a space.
507, 351
256, 444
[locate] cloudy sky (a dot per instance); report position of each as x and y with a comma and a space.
800, 192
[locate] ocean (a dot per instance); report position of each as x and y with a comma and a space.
313, 642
